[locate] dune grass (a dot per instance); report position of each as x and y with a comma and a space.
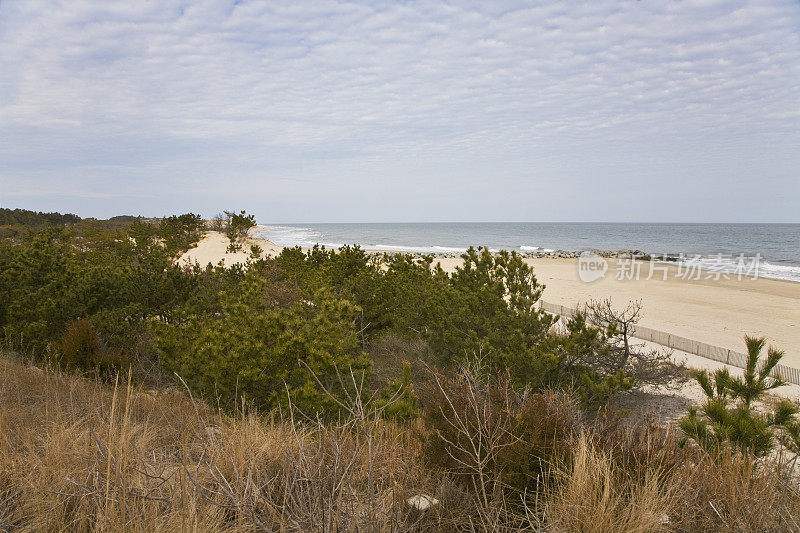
77, 454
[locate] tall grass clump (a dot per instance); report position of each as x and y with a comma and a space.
591, 493
78, 454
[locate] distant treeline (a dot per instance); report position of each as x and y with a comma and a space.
23, 217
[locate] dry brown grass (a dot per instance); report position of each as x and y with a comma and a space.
592, 494
80, 455
646, 482
735, 493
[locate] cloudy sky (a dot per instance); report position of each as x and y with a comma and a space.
318, 111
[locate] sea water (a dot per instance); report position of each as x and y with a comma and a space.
776, 247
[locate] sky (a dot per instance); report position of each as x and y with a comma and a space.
649, 110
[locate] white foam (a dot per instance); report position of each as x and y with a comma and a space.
769, 270
293, 236
416, 249
308, 237
728, 267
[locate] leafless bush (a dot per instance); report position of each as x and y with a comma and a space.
498, 441
218, 222
648, 366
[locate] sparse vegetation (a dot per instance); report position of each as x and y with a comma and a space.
237, 225
218, 222
256, 251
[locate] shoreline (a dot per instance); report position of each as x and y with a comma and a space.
773, 265
715, 311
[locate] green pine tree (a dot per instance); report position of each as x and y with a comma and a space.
728, 416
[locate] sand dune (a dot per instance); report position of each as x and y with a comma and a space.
212, 248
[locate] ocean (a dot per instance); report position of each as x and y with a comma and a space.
776, 247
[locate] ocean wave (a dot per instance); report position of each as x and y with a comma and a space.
526, 248
727, 267
714, 266
416, 249
293, 236
309, 237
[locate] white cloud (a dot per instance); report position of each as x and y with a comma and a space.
320, 101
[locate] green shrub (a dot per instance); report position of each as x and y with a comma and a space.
121, 279
256, 251
565, 360
81, 347
238, 224
264, 349
325, 305
495, 310
179, 233
728, 416
397, 400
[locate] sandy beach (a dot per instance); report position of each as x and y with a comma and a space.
715, 311
213, 248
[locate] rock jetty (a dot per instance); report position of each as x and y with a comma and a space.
552, 254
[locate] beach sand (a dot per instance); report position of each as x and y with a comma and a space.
212, 248
714, 311
717, 312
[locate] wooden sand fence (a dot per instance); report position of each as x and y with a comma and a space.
701, 349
